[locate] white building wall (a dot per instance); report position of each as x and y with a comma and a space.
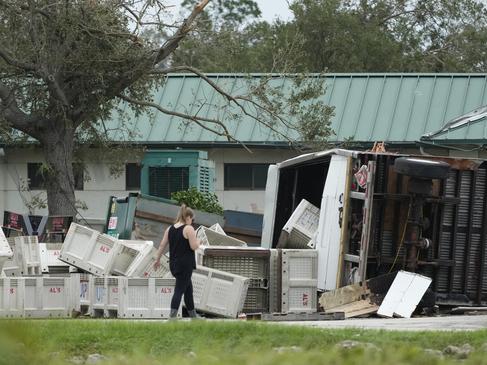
101, 185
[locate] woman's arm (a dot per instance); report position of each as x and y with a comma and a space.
190, 234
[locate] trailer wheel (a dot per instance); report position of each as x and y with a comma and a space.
420, 168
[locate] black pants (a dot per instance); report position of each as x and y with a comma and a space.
183, 286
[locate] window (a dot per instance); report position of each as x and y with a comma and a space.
239, 176
132, 176
38, 182
163, 181
35, 177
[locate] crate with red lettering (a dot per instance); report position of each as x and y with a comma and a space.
105, 296
143, 266
48, 297
299, 281
11, 297
88, 250
146, 298
50, 263
128, 251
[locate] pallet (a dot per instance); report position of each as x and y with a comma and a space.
284, 317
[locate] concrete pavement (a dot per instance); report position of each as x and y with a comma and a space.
441, 323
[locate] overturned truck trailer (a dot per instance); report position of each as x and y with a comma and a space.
381, 212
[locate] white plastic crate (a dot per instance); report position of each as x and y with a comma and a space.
48, 297
88, 250
28, 256
274, 282
217, 228
50, 263
215, 237
126, 252
12, 297
218, 292
299, 281
81, 292
146, 298
143, 266
105, 296
302, 225
5, 250
164, 290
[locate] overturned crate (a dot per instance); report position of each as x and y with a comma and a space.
299, 280
215, 236
88, 250
219, 293
126, 252
143, 266
252, 263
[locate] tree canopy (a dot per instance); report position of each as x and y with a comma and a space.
65, 66
349, 36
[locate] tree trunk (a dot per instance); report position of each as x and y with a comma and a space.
58, 145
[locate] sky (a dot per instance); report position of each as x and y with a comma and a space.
271, 9
274, 8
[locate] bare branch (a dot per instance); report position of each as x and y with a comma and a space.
235, 100
193, 118
172, 43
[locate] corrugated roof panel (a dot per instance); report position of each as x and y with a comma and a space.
439, 102
420, 108
351, 113
456, 100
385, 112
403, 110
339, 99
368, 107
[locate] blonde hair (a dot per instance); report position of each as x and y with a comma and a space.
184, 212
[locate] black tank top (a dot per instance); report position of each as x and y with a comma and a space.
181, 256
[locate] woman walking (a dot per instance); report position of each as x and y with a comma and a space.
182, 240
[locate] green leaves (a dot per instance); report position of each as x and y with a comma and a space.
206, 202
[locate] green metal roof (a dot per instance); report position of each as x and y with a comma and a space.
368, 107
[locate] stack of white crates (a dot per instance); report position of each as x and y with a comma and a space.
5, 250
302, 226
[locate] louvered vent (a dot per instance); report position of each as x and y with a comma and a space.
163, 181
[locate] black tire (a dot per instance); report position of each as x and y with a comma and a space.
421, 168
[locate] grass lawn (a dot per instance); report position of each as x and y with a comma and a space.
37, 342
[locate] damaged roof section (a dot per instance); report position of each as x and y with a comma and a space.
470, 128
